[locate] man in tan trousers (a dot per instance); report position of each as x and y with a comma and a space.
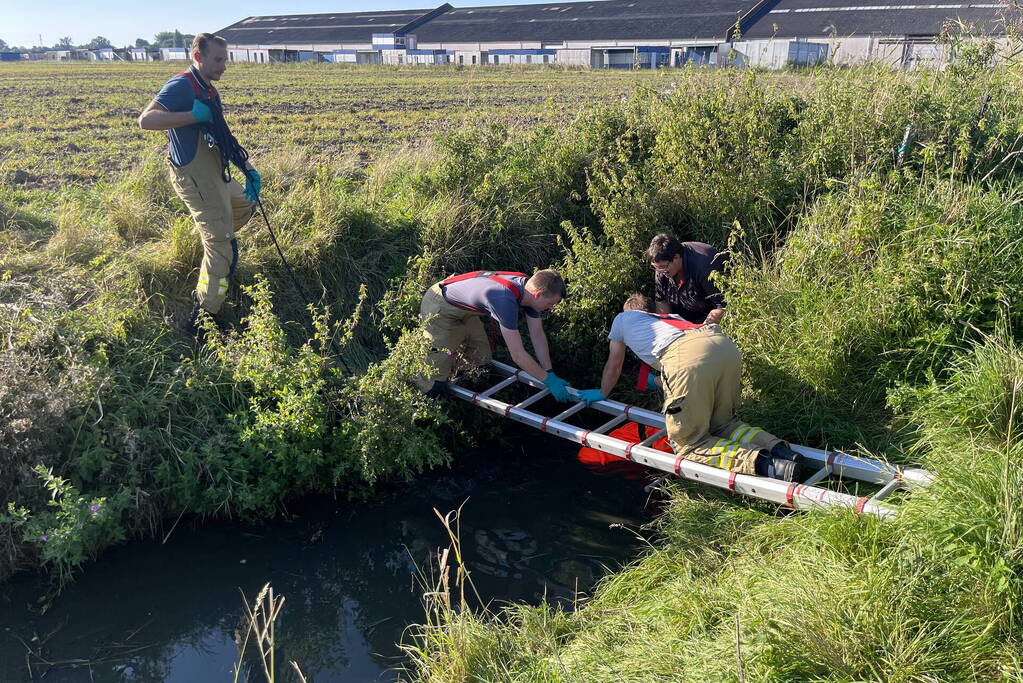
701, 373
453, 312
184, 108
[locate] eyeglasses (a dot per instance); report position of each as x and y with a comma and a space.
660, 267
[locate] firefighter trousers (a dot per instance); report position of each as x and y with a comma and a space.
219, 209
702, 384
449, 328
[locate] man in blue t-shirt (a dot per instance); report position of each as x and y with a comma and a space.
184, 108
453, 312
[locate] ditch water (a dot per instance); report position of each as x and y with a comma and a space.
537, 523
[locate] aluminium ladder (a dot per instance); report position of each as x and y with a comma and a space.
802, 495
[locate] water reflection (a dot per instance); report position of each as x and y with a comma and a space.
536, 524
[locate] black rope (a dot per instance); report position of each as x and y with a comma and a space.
298, 285
231, 152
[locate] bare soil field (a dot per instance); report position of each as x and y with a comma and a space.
75, 123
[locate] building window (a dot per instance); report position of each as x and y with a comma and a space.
529, 59
495, 59
474, 59
546, 59
461, 59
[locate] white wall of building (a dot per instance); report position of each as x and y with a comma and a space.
574, 57
169, 54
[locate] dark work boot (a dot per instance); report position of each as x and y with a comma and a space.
782, 450
191, 326
786, 470
777, 468
438, 390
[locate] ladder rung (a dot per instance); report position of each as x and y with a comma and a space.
543, 393
653, 437
819, 475
609, 425
887, 489
570, 412
503, 384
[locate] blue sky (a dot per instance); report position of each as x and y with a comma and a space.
122, 21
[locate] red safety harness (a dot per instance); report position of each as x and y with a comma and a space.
209, 93
498, 276
643, 381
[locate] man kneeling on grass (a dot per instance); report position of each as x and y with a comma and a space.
701, 373
453, 312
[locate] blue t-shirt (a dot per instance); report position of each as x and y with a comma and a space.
490, 298
178, 94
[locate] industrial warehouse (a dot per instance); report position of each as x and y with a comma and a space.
626, 34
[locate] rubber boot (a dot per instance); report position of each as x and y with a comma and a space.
191, 326
782, 450
438, 390
777, 468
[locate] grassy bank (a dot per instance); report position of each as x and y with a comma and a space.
877, 307
875, 302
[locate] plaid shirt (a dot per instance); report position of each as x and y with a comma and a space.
696, 295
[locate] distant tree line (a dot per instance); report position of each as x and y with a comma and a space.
173, 38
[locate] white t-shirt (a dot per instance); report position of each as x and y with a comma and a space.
647, 336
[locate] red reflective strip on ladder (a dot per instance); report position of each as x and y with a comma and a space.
627, 409
628, 451
585, 434
507, 409
731, 481
543, 425
789, 495
860, 505
831, 458
475, 398
678, 466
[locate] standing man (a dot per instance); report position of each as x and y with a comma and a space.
682, 282
201, 149
453, 312
701, 380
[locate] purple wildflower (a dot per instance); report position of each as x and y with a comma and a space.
95, 509
44, 538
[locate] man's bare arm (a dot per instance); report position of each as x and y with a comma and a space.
518, 352
156, 117
613, 367
539, 339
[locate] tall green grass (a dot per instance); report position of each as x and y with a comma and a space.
877, 307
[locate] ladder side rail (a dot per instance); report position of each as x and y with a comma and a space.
649, 418
798, 496
842, 464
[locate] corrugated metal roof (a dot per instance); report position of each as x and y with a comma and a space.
333, 27
812, 18
598, 20
628, 20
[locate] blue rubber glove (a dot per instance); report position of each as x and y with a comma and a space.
557, 386
591, 396
253, 184
654, 382
201, 112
